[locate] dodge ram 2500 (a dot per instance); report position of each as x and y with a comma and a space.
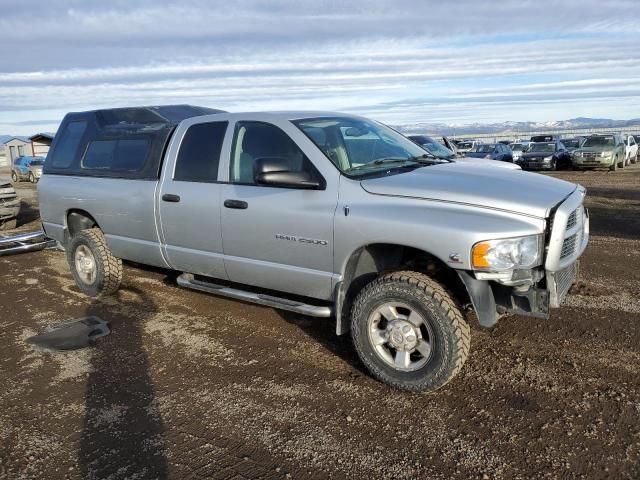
324, 214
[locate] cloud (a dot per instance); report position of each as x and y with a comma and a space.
421, 60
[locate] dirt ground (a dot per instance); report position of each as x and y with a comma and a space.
193, 386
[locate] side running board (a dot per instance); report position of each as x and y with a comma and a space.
188, 281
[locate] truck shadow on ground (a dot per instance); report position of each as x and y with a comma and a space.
122, 435
323, 331
27, 214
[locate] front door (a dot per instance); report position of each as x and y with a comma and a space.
276, 238
189, 202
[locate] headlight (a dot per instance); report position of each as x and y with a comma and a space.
507, 253
605, 154
487, 156
577, 154
547, 159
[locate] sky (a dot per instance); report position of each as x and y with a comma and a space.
401, 62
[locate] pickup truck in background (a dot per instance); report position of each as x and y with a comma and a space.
323, 214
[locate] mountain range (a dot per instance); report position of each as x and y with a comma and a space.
514, 127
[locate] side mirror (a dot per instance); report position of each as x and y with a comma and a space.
274, 171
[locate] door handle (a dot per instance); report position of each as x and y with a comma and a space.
239, 204
170, 197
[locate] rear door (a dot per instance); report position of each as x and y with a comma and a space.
189, 199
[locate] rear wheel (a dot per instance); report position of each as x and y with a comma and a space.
96, 271
14, 177
408, 331
635, 159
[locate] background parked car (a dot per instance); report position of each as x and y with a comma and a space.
518, 149
599, 151
493, 151
631, 150
545, 156
467, 145
572, 144
35, 170
20, 169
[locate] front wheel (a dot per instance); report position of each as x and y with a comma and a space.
96, 271
14, 177
408, 331
32, 179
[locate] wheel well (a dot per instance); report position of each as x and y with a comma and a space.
366, 263
79, 220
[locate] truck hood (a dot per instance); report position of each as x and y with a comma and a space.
485, 162
497, 188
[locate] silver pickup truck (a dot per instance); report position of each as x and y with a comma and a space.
324, 214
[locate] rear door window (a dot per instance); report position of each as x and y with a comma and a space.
116, 155
67, 146
199, 154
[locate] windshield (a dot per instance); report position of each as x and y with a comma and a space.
517, 146
573, 143
361, 147
465, 145
36, 162
543, 147
599, 142
484, 149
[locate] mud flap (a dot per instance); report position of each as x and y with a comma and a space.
71, 335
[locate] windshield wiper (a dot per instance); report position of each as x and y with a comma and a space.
425, 159
428, 159
383, 161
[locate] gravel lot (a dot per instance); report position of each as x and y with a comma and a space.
193, 386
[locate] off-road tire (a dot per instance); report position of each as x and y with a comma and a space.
451, 333
109, 268
8, 224
14, 177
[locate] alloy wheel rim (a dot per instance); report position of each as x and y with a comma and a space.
85, 264
400, 336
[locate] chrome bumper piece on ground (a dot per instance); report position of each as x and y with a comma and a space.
25, 242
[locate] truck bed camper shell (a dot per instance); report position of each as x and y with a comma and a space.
118, 142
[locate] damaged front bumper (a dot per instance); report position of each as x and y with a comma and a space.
491, 300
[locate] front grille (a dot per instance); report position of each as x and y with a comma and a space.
564, 280
573, 219
569, 246
590, 155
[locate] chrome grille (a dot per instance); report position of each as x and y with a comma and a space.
569, 246
590, 155
564, 280
573, 219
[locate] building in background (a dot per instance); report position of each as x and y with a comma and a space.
12, 148
40, 143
